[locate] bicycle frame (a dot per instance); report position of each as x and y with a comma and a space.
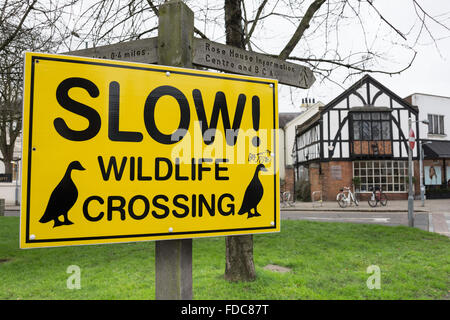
348, 195
285, 198
376, 195
352, 196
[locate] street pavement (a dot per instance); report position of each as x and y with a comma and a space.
433, 217
384, 218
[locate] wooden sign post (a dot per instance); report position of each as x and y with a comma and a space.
173, 258
173, 47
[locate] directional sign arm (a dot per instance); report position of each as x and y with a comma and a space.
234, 60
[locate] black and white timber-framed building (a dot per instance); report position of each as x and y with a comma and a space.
363, 134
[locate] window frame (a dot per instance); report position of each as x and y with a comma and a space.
436, 124
390, 175
364, 123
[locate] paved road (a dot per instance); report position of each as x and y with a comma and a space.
383, 218
11, 213
433, 217
440, 223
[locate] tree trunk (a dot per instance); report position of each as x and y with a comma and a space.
8, 166
233, 24
239, 249
7, 152
239, 258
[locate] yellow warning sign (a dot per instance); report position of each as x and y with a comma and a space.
118, 151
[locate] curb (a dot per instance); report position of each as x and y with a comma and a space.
351, 210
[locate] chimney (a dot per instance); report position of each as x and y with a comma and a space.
303, 105
307, 102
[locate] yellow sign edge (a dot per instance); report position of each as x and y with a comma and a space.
151, 66
25, 243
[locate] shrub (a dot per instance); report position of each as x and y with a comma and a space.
303, 190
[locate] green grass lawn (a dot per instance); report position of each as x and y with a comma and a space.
328, 261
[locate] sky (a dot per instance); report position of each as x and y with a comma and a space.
430, 71
428, 74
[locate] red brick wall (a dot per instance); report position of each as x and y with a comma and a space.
417, 177
288, 180
390, 195
329, 181
331, 177
336, 175
314, 178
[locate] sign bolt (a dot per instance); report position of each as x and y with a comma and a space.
272, 223
168, 73
271, 85
32, 237
170, 229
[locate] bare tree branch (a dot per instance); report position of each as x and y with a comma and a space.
19, 26
255, 21
384, 19
429, 16
354, 66
154, 8
304, 24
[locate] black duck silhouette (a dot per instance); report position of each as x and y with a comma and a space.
253, 194
63, 198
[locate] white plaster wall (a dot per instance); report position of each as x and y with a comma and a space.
8, 192
430, 104
281, 154
289, 130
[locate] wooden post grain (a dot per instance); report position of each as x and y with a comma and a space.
173, 258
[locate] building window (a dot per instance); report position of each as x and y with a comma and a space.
370, 126
435, 124
390, 175
302, 173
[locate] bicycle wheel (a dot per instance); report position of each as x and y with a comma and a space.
341, 200
372, 200
355, 200
383, 199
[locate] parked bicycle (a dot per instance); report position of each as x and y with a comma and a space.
376, 197
285, 198
346, 197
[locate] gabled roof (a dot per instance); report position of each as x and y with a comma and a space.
367, 99
367, 79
